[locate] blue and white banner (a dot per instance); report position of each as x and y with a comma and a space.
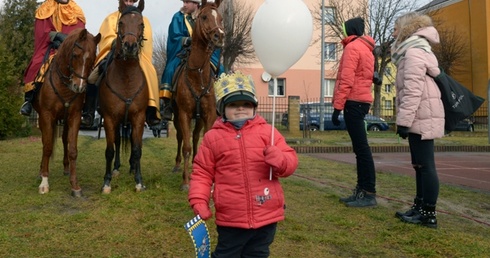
198, 231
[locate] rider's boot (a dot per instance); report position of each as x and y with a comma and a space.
166, 96
90, 105
26, 108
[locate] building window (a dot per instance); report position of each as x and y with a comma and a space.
330, 52
388, 71
388, 104
281, 87
328, 85
330, 15
388, 88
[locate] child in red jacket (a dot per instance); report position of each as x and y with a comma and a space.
239, 157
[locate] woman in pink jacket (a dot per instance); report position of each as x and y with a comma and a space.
420, 112
239, 159
352, 93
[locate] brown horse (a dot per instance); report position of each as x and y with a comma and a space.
194, 97
123, 94
61, 98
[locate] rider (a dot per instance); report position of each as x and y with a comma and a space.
108, 30
54, 19
179, 38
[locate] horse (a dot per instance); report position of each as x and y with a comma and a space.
194, 96
123, 96
61, 97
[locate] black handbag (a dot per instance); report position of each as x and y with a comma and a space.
459, 103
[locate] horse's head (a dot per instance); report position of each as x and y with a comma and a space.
130, 32
209, 25
75, 59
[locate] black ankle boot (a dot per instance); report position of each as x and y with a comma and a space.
90, 105
151, 117
414, 210
26, 108
426, 217
352, 197
363, 199
167, 109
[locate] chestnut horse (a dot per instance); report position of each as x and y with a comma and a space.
61, 98
194, 96
123, 95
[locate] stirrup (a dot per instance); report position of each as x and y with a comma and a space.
26, 109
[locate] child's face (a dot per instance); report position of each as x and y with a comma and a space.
239, 110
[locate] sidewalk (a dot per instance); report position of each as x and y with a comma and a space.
468, 169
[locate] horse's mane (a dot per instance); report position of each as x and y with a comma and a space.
65, 49
130, 9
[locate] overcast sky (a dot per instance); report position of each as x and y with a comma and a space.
159, 12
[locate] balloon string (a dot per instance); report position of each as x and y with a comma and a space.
273, 119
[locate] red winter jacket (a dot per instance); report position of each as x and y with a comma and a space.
355, 74
233, 160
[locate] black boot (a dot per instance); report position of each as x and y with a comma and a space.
90, 105
363, 199
426, 217
414, 210
352, 197
151, 116
167, 109
26, 108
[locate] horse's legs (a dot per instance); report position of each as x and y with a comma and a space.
47, 126
117, 160
72, 134
178, 157
110, 131
185, 122
195, 137
66, 162
136, 153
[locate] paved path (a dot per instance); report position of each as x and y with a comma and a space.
469, 169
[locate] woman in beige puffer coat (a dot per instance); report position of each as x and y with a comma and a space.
420, 112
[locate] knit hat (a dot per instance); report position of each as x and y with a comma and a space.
234, 87
354, 26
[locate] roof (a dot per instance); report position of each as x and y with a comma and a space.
436, 4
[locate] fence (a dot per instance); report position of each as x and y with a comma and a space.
479, 118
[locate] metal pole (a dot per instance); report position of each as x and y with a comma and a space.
322, 71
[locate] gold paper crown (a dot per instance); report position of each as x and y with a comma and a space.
229, 83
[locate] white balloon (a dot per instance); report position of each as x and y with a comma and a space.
281, 34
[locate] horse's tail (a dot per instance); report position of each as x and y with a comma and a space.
125, 137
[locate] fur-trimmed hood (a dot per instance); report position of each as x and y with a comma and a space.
420, 26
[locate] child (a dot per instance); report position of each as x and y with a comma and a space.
236, 156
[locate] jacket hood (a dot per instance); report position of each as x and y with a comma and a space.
417, 25
430, 33
354, 26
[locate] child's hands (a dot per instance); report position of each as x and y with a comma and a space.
203, 210
273, 157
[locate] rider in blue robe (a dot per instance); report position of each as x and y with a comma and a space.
179, 38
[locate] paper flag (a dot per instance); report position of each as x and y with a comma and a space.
198, 231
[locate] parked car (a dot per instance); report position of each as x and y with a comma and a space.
465, 125
373, 123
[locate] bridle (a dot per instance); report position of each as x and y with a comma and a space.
67, 79
121, 37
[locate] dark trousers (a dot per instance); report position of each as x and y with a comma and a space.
354, 113
244, 243
426, 179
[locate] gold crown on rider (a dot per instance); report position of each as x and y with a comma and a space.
229, 83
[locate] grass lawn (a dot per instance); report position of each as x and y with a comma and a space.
150, 224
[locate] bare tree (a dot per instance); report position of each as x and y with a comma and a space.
237, 19
159, 53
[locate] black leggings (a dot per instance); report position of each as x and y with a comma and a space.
426, 179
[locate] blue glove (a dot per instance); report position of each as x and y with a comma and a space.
335, 117
402, 131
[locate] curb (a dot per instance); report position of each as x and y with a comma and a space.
386, 149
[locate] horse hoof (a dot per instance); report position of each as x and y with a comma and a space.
43, 189
140, 188
76, 193
106, 189
115, 173
184, 188
175, 169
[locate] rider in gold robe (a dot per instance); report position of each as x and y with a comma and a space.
108, 30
